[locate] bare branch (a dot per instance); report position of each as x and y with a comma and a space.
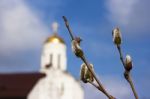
82, 57
127, 73
68, 27
96, 86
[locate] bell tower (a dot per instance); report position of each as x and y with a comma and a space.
54, 52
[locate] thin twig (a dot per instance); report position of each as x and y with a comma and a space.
100, 87
127, 73
67, 25
129, 79
96, 86
121, 55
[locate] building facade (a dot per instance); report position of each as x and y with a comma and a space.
58, 83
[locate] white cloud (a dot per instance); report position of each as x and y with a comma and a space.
120, 10
115, 86
20, 28
132, 16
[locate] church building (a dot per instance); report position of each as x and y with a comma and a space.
53, 81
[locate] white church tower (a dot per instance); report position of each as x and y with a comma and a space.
54, 52
58, 83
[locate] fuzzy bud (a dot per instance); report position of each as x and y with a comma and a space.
76, 48
85, 74
128, 63
116, 36
82, 73
78, 39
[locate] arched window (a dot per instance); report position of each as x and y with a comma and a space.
50, 61
59, 59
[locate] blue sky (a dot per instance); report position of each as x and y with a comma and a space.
24, 25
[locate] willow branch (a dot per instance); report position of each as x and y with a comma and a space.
68, 27
127, 73
100, 86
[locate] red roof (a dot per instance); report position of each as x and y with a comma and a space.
17, 86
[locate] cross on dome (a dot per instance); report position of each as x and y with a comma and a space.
55, 27
54, 37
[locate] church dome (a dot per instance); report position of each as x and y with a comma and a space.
54, 39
